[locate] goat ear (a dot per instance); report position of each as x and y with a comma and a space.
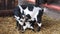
39, 2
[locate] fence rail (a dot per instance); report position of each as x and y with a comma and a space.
6, 13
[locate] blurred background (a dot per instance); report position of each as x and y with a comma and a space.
6, 6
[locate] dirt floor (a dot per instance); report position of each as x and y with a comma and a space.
50, 26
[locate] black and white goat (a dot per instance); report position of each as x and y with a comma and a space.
27, 15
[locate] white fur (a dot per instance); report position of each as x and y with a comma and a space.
33, 13
39, 24
28, 25
17, 18
21, 23
21, 9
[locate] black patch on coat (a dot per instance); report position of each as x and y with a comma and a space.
24, 6
28, 16
22, 13
17, 11
32, 22
24, 24
39, 16
30, 7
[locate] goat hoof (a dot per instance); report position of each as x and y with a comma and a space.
38, 29
33, 30
22, 31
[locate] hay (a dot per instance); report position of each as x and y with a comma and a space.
50, 26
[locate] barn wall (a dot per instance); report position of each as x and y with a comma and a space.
7, 6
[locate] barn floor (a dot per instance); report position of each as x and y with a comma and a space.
50, 26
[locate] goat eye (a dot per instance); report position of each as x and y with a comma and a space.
21, 20
22, 17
